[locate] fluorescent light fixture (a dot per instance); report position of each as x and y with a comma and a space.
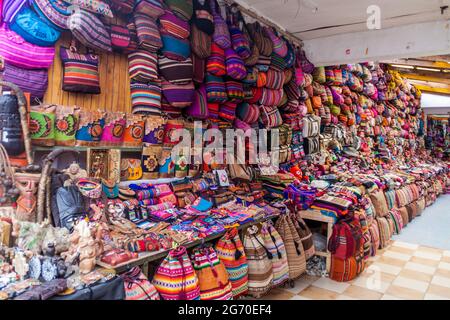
428, 69
400, 66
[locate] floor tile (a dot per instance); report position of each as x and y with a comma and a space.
420, 267
299, 298
362, 294
446, 253
404, 293
401, 250
444, 265
397, 255
441, 281
389, 297
431, 263
316, 293
328, 284
371, 283
439, 291
442, 273
430, 296
428, 255
300, 284
412, 284
430, 250
278, 294
386, 268
392, 261
415, 275
405, 245
445, 259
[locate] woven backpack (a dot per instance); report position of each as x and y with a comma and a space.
137, 286
278, 255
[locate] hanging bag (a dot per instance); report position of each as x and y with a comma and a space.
260, 274
90, 31
230, 251
221, 35
80, 71
175, 278
137, 286
212, 275
278, 256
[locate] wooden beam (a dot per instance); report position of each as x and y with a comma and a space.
419, 63
436, 79
426, 88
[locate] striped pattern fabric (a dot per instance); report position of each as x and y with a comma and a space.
343, 270
231, 252
271, 97
175, 278
215, 89
390, 198
212, 275
277, 62
213, 109
385, 231
182, 8
147, 32
137, 286
199, 108
200, 42
215, 64
404, 213
260, 274
90, 31
375, 238
275, 79
274, 244
174, 26
294, 247
174, 48
178, 95
143, 66
248, 113
270, 117
80, 72
151, 8
16, 51
397, 220
234, 65
146, 98
240, 43
176, 71
235, 90
34, 82
227, 111
279, 45
379, 202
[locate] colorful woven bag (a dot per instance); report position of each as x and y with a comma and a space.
90, 31
200, 42
176, 71
174, 26
66, 125
178, 95
215, 64
90, 129
113, 129
199, 108
175, 48
279, 44
215, 89
182, 8
212, 275
175, 278
235, 90
151, 8
276, 253
270, 117
146, 98
20, 53
221, 35
147, 32
248, 113
260, 274
143, 66
234, 65
55, 12
34, 82
230, 251
137, 286
80, 71
42, 125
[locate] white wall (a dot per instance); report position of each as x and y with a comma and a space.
435, 103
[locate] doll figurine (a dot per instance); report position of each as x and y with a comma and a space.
74, 172
26, 203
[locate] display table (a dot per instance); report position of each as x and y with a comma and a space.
110, 290
145, 258
316, 215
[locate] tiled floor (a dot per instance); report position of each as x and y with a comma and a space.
401, 271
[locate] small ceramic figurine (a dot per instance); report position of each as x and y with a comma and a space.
74, 172
26, 203
86, 248
20, 265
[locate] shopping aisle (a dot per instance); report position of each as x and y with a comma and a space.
432, 228
401, 271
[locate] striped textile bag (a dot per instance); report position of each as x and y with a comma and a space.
143, 66
379, 202
215, 89
420, 205
276, 253
176, 71
294, 248
275, 79
147, 31
374, 238
405, 217
397, 219
90, 31
137, 286
212, 275
230, 251
270, 116
390, 198
366, 238
173, 25
146, 98
305, 235
80, 71
385, 231
343, 270
401, 198
175, 278
412, 211
260, 275
178, 95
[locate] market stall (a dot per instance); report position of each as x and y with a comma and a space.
96, 204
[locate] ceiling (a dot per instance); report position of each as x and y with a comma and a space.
310, 19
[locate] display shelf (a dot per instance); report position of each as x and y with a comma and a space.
84, 149
148, 257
